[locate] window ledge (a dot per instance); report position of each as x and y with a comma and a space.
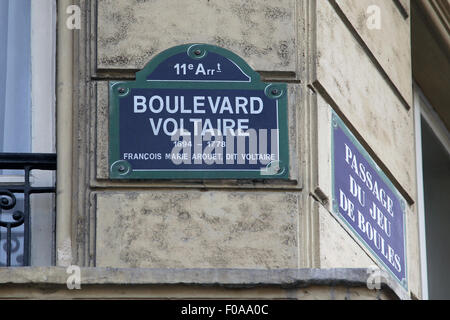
228, 278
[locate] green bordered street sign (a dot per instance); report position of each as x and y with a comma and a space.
197, 111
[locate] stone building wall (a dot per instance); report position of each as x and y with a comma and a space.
330, 59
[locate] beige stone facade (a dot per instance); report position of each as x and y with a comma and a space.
152, 238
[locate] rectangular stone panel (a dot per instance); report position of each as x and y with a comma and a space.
348, 77
194, 229
389, 42
262, 32
337, 248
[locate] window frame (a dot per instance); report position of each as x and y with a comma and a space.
43, 33
424, 110
43, 123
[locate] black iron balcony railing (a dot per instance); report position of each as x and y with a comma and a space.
25, 162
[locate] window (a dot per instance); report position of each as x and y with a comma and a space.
15, 76
433, 156
27, 131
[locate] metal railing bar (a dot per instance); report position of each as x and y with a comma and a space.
26, 162
40, 161
22, 189
8, 245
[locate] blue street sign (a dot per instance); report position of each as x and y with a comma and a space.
198, 111
367, 202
